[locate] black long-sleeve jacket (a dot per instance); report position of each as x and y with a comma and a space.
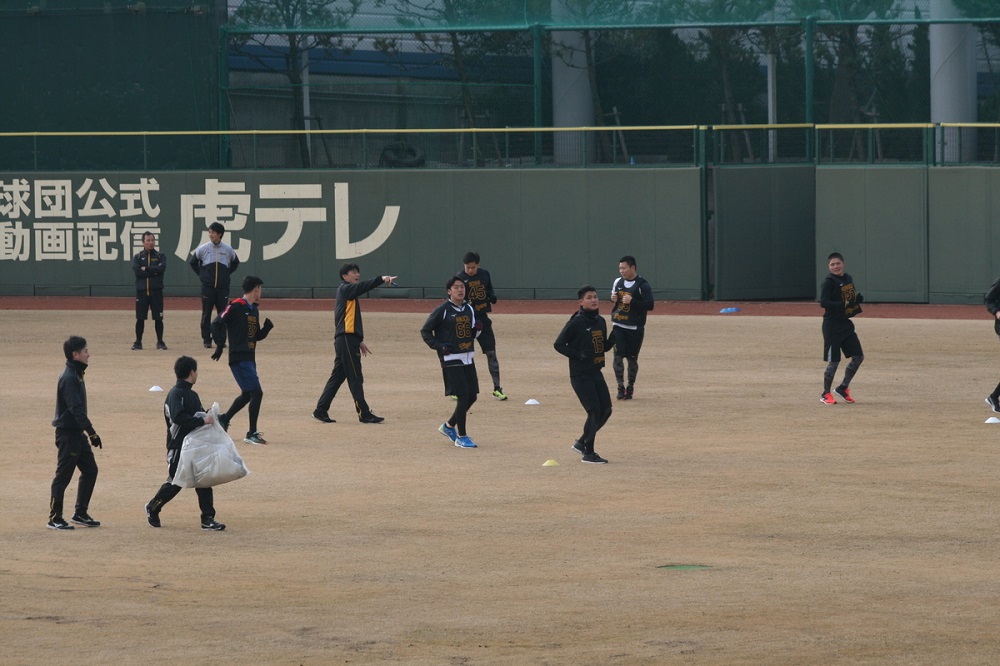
450, 330
155, 264
71, 399
347, 310
179, 413
240, 321
582, 341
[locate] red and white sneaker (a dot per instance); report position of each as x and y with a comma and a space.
845, 394
827, 399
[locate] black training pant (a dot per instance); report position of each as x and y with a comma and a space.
346, 366
211, 297
75, 452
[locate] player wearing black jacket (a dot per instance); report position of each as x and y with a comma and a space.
633, 298
450, 330
583, 341
479, 292
349, 345
149, 267
213, 262
240, 323
180, 413
75, 436
840, 300
992, 301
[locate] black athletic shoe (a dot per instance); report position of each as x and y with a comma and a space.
370, 418
136, 346
85, 520
621, 393
993, 403
322, 417
212, 526
628, 393
224, 422
578, 447
208, 344
59, 524
593, 458
152, 517
161, 345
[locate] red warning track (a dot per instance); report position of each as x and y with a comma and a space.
749, 308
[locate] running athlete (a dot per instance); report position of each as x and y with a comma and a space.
583, 341
213, 262
841, 301
240, 322
349, 345
992, 301
633, 298
450, 330
480, 294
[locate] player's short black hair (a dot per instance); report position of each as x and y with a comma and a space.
835, 255
184, 366
217, 228
471, 258
148, 233
628, 259
347, 268
250, 283
449, 283
74, 343
582, 291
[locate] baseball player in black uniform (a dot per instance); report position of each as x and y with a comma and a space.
213, 262
840, 300
349, 345
479, 292
180, 412
75, 439
240, 322
992, 300
450, 330
583, 341
149, 267
633, 298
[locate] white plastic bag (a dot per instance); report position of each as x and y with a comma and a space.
209, 457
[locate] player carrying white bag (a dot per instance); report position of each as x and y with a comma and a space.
209, 456
200, 454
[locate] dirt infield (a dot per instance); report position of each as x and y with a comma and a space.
819, 534
746, 308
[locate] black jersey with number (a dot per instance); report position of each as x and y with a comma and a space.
582, 341
451, 331
633, 314
839, 297
479, 290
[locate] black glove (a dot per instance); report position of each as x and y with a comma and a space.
493, 300
478, 326
217, 354
95, 441
267, 325
444, 350
860, 299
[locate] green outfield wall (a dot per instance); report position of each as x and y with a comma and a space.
541, 233
764, 225
909, 234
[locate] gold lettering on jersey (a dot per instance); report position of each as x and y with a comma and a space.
476, 292
850, 296
252, 328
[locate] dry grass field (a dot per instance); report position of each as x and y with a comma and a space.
861, 534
